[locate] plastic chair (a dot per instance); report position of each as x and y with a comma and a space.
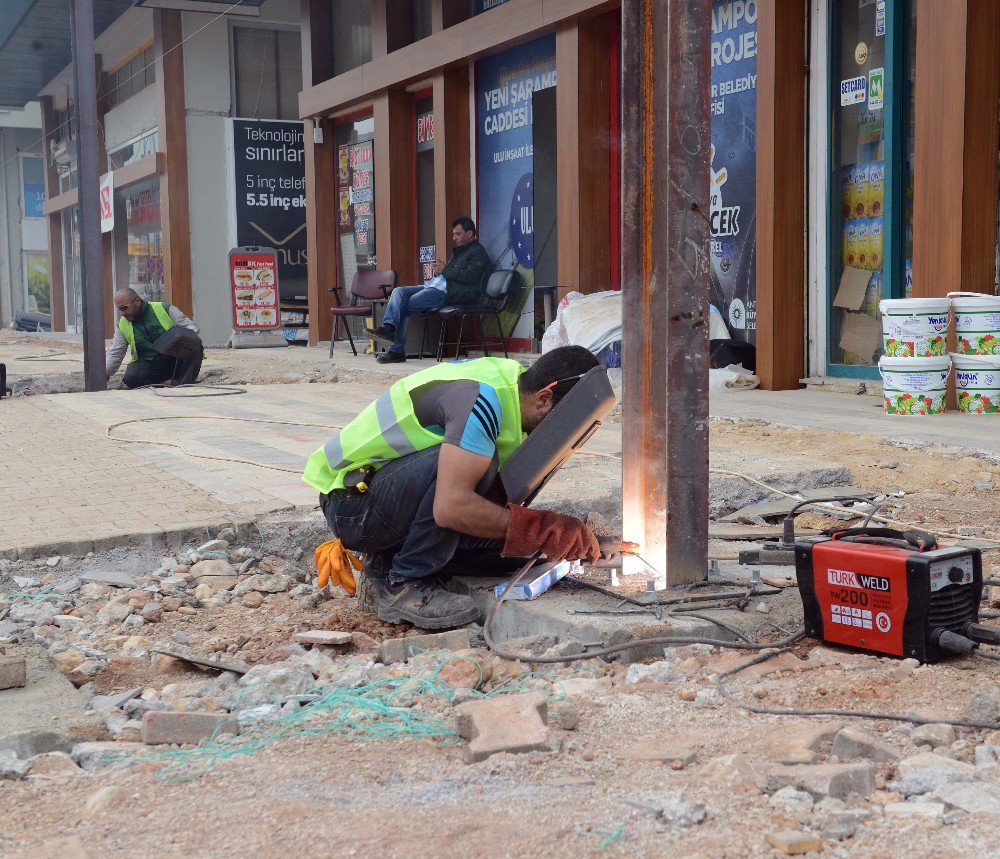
499, 288
369, 285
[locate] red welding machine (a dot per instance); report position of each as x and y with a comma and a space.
889, 591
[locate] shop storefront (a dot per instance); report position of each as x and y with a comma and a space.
872, 63
355, 139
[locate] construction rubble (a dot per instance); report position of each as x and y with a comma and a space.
193, 668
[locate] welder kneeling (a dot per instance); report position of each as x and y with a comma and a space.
410, 484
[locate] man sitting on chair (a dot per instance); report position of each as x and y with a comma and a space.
459, 281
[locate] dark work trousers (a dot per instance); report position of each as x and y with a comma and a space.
396, 517
162, 369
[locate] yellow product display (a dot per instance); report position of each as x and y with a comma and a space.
876, 188
335, 565
862, 190
875, 244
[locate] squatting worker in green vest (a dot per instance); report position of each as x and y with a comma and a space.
140, 325
426, 453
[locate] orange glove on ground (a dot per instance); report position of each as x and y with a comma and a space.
334, 564
556, 536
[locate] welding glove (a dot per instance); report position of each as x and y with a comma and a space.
556, 536
336, 566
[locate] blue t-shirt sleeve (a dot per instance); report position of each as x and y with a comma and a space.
482, 426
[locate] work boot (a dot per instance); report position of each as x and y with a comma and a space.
425, 603
384, 333
371, 581
391, 358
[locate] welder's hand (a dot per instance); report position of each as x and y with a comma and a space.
335, 565
556, 536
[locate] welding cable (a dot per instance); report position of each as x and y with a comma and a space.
848, 714
617, 648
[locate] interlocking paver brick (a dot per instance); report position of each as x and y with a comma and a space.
507, 723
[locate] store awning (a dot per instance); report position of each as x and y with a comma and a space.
35, 43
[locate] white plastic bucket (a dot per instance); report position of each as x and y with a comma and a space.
977, 323
914, 386
915, 327
977, 383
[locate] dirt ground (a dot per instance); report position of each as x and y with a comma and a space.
615, 776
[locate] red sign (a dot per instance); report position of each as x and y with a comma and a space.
253, 278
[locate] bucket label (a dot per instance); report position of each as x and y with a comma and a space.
899, 345
923, 403
970, 343
977, 320
978, 403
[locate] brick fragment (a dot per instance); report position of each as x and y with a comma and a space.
322, 637
159, 727
509, 723
13, 672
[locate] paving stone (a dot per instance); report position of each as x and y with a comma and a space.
173, 727
820, 780
853, 743
92, 755
508, 723
400, 649
801, 745
973, 797
926, 772
114, 578
13, 672
792, 842
322, 637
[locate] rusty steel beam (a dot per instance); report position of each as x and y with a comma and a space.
665, 282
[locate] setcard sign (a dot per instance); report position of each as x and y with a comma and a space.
253, 284
733, 197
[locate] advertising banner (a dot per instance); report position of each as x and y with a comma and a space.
734, 165
504, 84
253, 283
269, 169
107, 201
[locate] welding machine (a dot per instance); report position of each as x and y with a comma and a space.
893, 592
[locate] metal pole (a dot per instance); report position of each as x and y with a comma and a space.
89, 175
665, 283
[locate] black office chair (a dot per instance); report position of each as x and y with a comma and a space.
499, 289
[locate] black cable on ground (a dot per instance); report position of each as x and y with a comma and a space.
847, 714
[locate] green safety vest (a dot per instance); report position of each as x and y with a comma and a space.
128, 329
388, 428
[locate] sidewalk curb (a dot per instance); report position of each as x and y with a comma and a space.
150, 539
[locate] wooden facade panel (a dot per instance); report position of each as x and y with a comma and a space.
452, 152
781, 192
395, 184
583, 155
514, 22
172, 120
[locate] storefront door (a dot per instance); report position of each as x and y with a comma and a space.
356, 192
872, 65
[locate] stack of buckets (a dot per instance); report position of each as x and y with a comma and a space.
916, 363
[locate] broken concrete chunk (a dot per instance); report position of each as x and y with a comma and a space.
212, 546
736, 771
264, 684
113, 613
664, 751
934, 736
112, 578
664, 671
929, 810
509, 723
853, 743
13, 672
972, 797
322, 637
118, 699
926, 772
681, 811
93, 755
161, 727
400, 649
12, 768
984, 706
582, 687
821, 780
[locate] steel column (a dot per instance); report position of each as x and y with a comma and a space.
665, 275
89, 175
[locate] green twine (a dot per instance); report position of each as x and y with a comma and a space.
614, 836
376, 711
